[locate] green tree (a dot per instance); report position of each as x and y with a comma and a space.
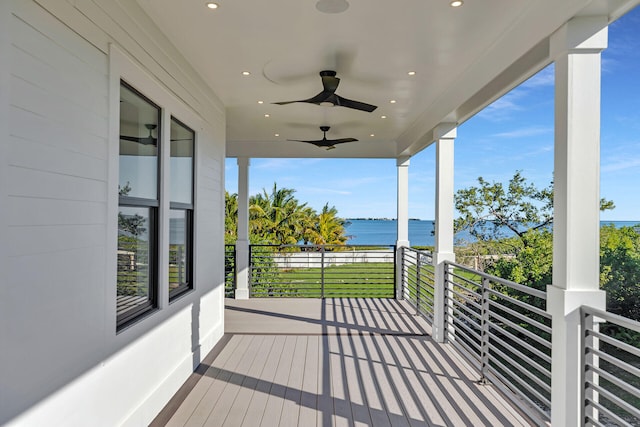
487, 210
328, 228
230, 218
278, 218
620, 269
526, 256
490, 211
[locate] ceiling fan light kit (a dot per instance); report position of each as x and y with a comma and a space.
332, 6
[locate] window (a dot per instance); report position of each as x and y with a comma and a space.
181, 214
138, 206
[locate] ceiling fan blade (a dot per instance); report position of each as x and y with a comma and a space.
356, 105
323, 96
131, 138
146, 140
302, 140
341, 140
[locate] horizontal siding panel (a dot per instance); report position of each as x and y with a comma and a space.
141, 39
32, 127
77, 274
40, 101
60, 301
59, 36
23, 211
39, 184
69, 82
33, 155
55, 238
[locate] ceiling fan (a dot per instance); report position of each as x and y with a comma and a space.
324, 142
148, 140
328, 95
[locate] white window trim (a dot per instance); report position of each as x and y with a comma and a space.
123, 67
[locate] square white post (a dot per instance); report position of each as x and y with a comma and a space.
576, 48
402, 241
242, 241
445, 134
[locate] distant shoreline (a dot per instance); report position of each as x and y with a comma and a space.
384, 219
605, 221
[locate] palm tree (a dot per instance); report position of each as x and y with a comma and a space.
277, 217
329, 229
230, 218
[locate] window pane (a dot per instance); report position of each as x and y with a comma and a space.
179, 249
139, 125
182, 143
135, 258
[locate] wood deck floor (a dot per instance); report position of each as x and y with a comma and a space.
333, 362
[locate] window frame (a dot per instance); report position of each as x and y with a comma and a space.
133, 314
189, 210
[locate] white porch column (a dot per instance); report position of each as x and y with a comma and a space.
446, 134
402, 164
242, 242
576, 48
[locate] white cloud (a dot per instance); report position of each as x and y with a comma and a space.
618, 164
502, 108
524, 132
323, 190
545, 77
280, 164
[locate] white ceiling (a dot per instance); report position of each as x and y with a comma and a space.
463, 58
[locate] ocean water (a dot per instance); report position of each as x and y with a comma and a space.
384, 232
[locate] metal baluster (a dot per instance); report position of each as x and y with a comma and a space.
417, 283
322, 271
484, 335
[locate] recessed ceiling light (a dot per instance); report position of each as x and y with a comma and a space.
267, 115
383, 117
373, 134
212, 5
393, 101
276, 134
456, 3
246, 73
412, 73
260, 102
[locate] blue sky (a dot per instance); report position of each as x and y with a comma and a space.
514, 133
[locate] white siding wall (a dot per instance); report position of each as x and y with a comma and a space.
61, 361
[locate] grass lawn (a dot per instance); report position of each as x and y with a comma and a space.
362, 280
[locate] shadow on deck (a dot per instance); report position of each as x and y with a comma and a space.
333, 362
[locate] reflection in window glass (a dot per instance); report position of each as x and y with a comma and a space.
182, 140
138, 206
138, 146
181, 204
179, 250
135, 266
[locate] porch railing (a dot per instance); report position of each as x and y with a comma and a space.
503, 329
229, 270
499, 326
611, 369
319, 271
418, 280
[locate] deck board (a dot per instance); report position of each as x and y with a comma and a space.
240, 405
334, 362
